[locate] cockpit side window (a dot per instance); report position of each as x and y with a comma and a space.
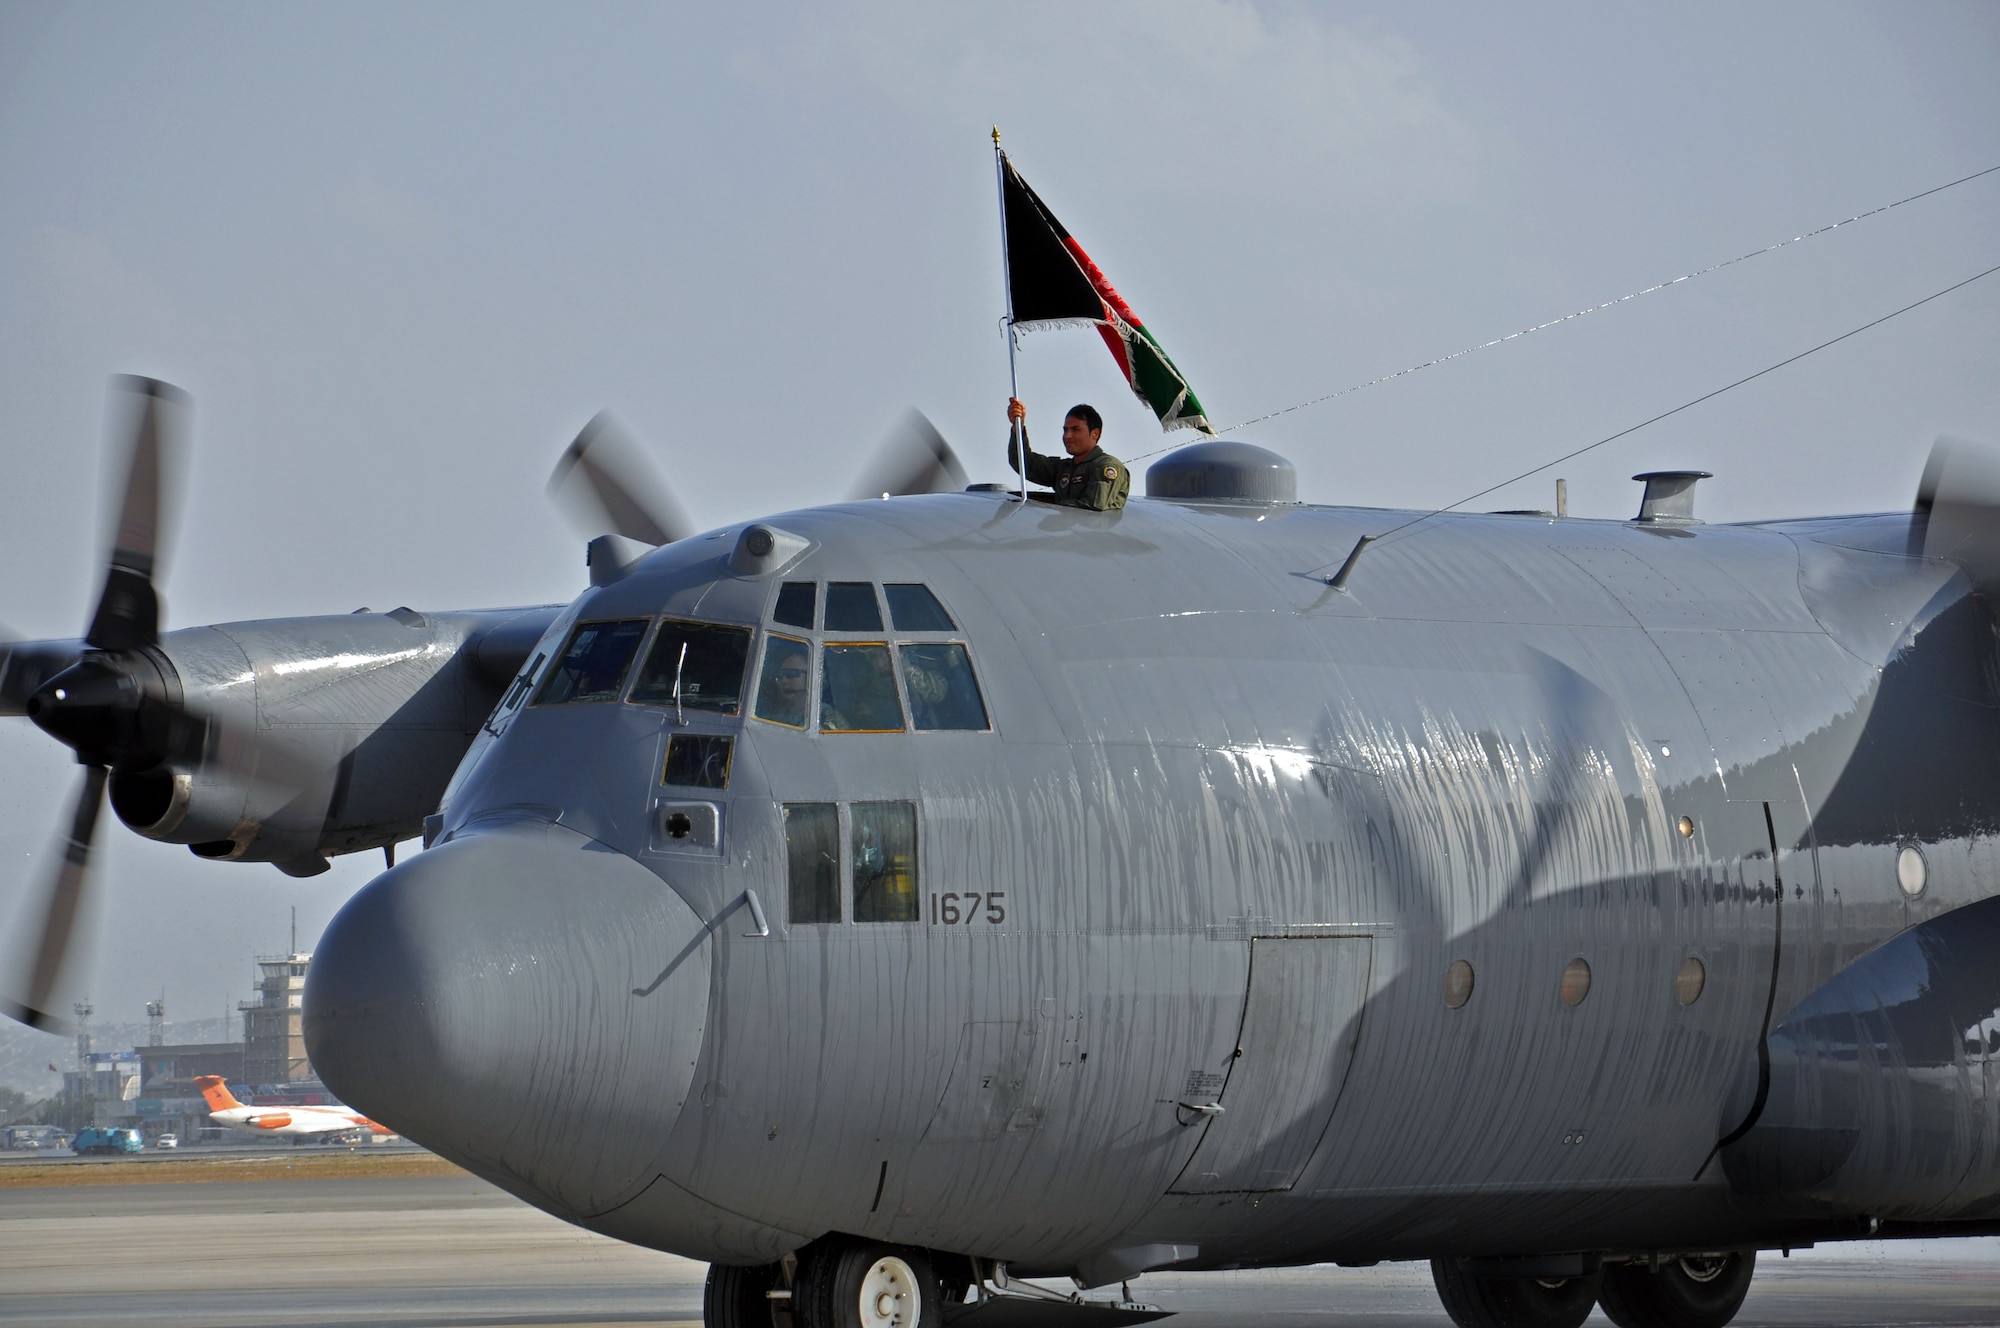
700, 664
851, 607
797, 602
592, 666
914, 609
785, 684
943, 693
858, 689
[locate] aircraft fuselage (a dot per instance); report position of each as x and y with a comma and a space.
1467, 893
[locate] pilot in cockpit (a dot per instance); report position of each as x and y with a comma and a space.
782, 697
1089, 476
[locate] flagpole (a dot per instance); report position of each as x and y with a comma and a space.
1018, 428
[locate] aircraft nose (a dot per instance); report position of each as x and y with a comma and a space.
521, 1000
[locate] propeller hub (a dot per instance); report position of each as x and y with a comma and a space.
111, 710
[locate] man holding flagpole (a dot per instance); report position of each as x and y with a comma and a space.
1052, 282
1088, 476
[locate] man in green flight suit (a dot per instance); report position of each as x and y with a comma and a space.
1089, 476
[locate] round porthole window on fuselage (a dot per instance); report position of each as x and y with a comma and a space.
1912, 872
1575, 981
1457, 984
1690, 980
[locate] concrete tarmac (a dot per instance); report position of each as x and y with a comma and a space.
452, 1252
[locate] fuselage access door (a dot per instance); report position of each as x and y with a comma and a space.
1301, 1021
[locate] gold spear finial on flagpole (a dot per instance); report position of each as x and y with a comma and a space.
996, 136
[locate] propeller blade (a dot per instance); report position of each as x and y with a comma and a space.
65, 895
607, 485
128, 612
26, 665
1958, 501
913, 458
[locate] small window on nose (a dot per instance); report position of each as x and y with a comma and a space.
698, 760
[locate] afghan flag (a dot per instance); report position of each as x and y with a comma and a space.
1053, 282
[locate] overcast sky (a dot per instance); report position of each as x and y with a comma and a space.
399, 254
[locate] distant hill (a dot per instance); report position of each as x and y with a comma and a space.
25, 1054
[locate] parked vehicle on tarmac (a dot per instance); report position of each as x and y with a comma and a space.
93, 1140
167, 1141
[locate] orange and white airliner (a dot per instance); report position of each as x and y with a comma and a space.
224, 1109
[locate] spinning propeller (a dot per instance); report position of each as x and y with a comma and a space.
118, 706
607, 485
913, 458
1958, 509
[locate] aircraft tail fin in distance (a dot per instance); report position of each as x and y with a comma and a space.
216, 1092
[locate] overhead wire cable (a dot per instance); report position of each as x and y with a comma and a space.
1685, 405
1595, 308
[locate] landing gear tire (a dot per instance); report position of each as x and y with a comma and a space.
1512, 1302
1697, 1291
860, 1284
734, 1297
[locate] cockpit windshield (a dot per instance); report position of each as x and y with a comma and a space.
593, 664
701, 662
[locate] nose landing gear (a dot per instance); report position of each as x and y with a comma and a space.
740, 1297
863, 1284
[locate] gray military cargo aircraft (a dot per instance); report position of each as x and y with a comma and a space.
889, 901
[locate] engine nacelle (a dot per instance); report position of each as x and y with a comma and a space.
328, 735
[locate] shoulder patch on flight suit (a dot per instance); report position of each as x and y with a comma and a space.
1111, 472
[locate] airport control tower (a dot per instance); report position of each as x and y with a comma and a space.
274, 1044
